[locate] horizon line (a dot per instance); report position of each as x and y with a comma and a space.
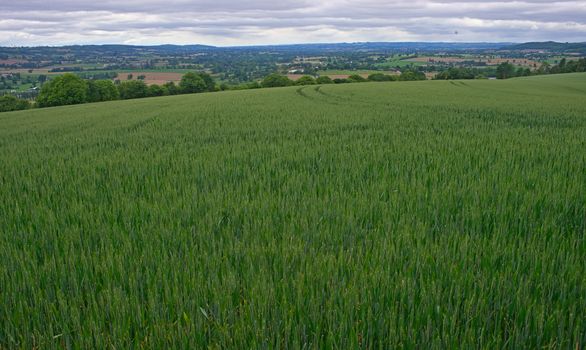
299, 44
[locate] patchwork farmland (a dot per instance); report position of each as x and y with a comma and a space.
150, 78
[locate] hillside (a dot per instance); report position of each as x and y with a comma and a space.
550, 46
433, 214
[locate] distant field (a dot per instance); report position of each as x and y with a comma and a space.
488, 61
420, 215
557, 59
159, 78
398, 61
46, 71
11, 61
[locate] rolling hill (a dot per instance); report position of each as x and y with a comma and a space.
549, 46
426, 214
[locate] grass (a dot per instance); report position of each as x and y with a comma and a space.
435, 214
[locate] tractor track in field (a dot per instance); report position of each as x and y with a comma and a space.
302, 92
142, 124
320, 96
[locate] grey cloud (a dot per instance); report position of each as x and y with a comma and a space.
231, 22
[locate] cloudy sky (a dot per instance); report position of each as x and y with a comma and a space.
248, 22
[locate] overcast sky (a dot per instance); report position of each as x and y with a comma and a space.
251, 22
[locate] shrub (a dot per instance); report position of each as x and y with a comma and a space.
324, 80
355, 78
380, 77
10, 103
276, 80
410, 75
305, 80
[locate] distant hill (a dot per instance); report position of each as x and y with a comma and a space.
549, 46
377, 46
303, 48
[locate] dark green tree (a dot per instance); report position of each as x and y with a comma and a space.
67, 89
253, 85
171, 88
505, 70
156, 90
324, 80
276, 80
132, 89
208, 80
102, 90
380, 77
192, 83
10, 103
355, 78
412, 75
305, 80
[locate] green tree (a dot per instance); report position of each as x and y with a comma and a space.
67, 89
380, 77
276, 80
356, 78
505, 70
102, 90
10, 103
171, 88
253, 85
544, 68
455, 73
132, 89
156, 90
192, 83
305, 80
324, 80
412, 75
208, 80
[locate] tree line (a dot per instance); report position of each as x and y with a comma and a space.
277, 80
507, 70
70, 89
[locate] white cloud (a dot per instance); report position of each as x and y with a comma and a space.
235, 22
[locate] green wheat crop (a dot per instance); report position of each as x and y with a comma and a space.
379, 215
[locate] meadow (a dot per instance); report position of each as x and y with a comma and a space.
431, 214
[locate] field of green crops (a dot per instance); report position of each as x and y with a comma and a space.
434, 214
